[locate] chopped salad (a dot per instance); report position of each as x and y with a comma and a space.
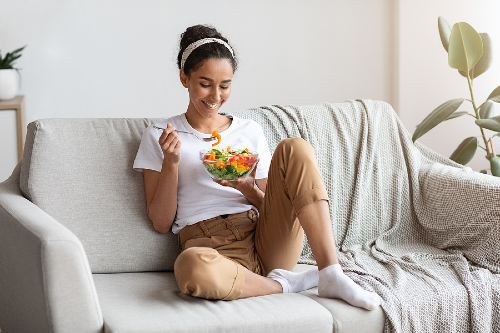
229, 164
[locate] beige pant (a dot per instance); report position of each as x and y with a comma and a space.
216, 250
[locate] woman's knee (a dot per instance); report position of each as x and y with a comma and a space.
192, 266
295, 146
197, 271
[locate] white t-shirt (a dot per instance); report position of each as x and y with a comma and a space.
198, 196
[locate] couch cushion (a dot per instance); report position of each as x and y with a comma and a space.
151, 302
80, 172
347, 318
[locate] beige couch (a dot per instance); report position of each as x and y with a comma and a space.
78, 253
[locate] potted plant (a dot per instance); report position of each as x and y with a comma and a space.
9, 76
470, 53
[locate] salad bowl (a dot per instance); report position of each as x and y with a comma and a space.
229, 164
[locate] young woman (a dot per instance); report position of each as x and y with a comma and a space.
239, 238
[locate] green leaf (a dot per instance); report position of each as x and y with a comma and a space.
495, 166
7, 57
490, 123
13, 59
495, 95
486, 110
444, 32
465, 47
465, 151
230, 169
485, 61
457, 114
19, 50
439, 114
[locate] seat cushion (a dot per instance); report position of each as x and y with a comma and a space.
347, 318
150, 302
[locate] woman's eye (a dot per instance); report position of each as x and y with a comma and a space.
204, 85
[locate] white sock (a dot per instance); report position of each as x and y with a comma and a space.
333, 283
293, 282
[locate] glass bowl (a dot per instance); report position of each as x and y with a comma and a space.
228, 164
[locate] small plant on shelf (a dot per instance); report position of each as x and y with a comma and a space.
9, 74
10, 58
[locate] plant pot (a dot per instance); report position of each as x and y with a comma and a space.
9, 83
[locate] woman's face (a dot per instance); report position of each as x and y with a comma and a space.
209, 86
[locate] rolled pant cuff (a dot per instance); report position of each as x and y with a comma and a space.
310, 196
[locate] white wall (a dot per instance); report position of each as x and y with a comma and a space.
426, 80
117, 58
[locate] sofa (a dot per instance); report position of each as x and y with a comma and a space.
78, 253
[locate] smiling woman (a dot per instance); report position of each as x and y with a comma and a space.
240, 237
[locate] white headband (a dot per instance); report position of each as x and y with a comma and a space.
191, 47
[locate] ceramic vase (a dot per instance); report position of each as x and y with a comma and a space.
9, 83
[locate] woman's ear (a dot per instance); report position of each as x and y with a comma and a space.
184, 78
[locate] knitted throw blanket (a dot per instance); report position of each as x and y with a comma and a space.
415, 227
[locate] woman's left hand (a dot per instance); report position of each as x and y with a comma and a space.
244, 184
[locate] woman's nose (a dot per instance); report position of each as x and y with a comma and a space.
215, 95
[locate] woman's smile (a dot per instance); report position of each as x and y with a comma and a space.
212, 106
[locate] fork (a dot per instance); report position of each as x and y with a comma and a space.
212, 138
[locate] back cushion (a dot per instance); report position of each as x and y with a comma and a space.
80, 172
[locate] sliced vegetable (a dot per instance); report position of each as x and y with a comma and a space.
216, 134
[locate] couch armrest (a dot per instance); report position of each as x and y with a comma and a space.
45, 280
461, 211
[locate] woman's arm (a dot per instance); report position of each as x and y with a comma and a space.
161, 197
161, 187
254, 195
252, 189
262, 184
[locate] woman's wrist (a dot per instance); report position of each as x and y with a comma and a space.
247, 188
169, 168
255, 195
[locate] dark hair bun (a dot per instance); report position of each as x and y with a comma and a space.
205, 51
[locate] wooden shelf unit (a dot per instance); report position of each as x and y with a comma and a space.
16, 104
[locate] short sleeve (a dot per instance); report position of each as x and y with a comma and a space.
264, 154
149, 155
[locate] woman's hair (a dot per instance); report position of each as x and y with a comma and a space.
205, 51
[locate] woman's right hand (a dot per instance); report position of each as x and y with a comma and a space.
171, 145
